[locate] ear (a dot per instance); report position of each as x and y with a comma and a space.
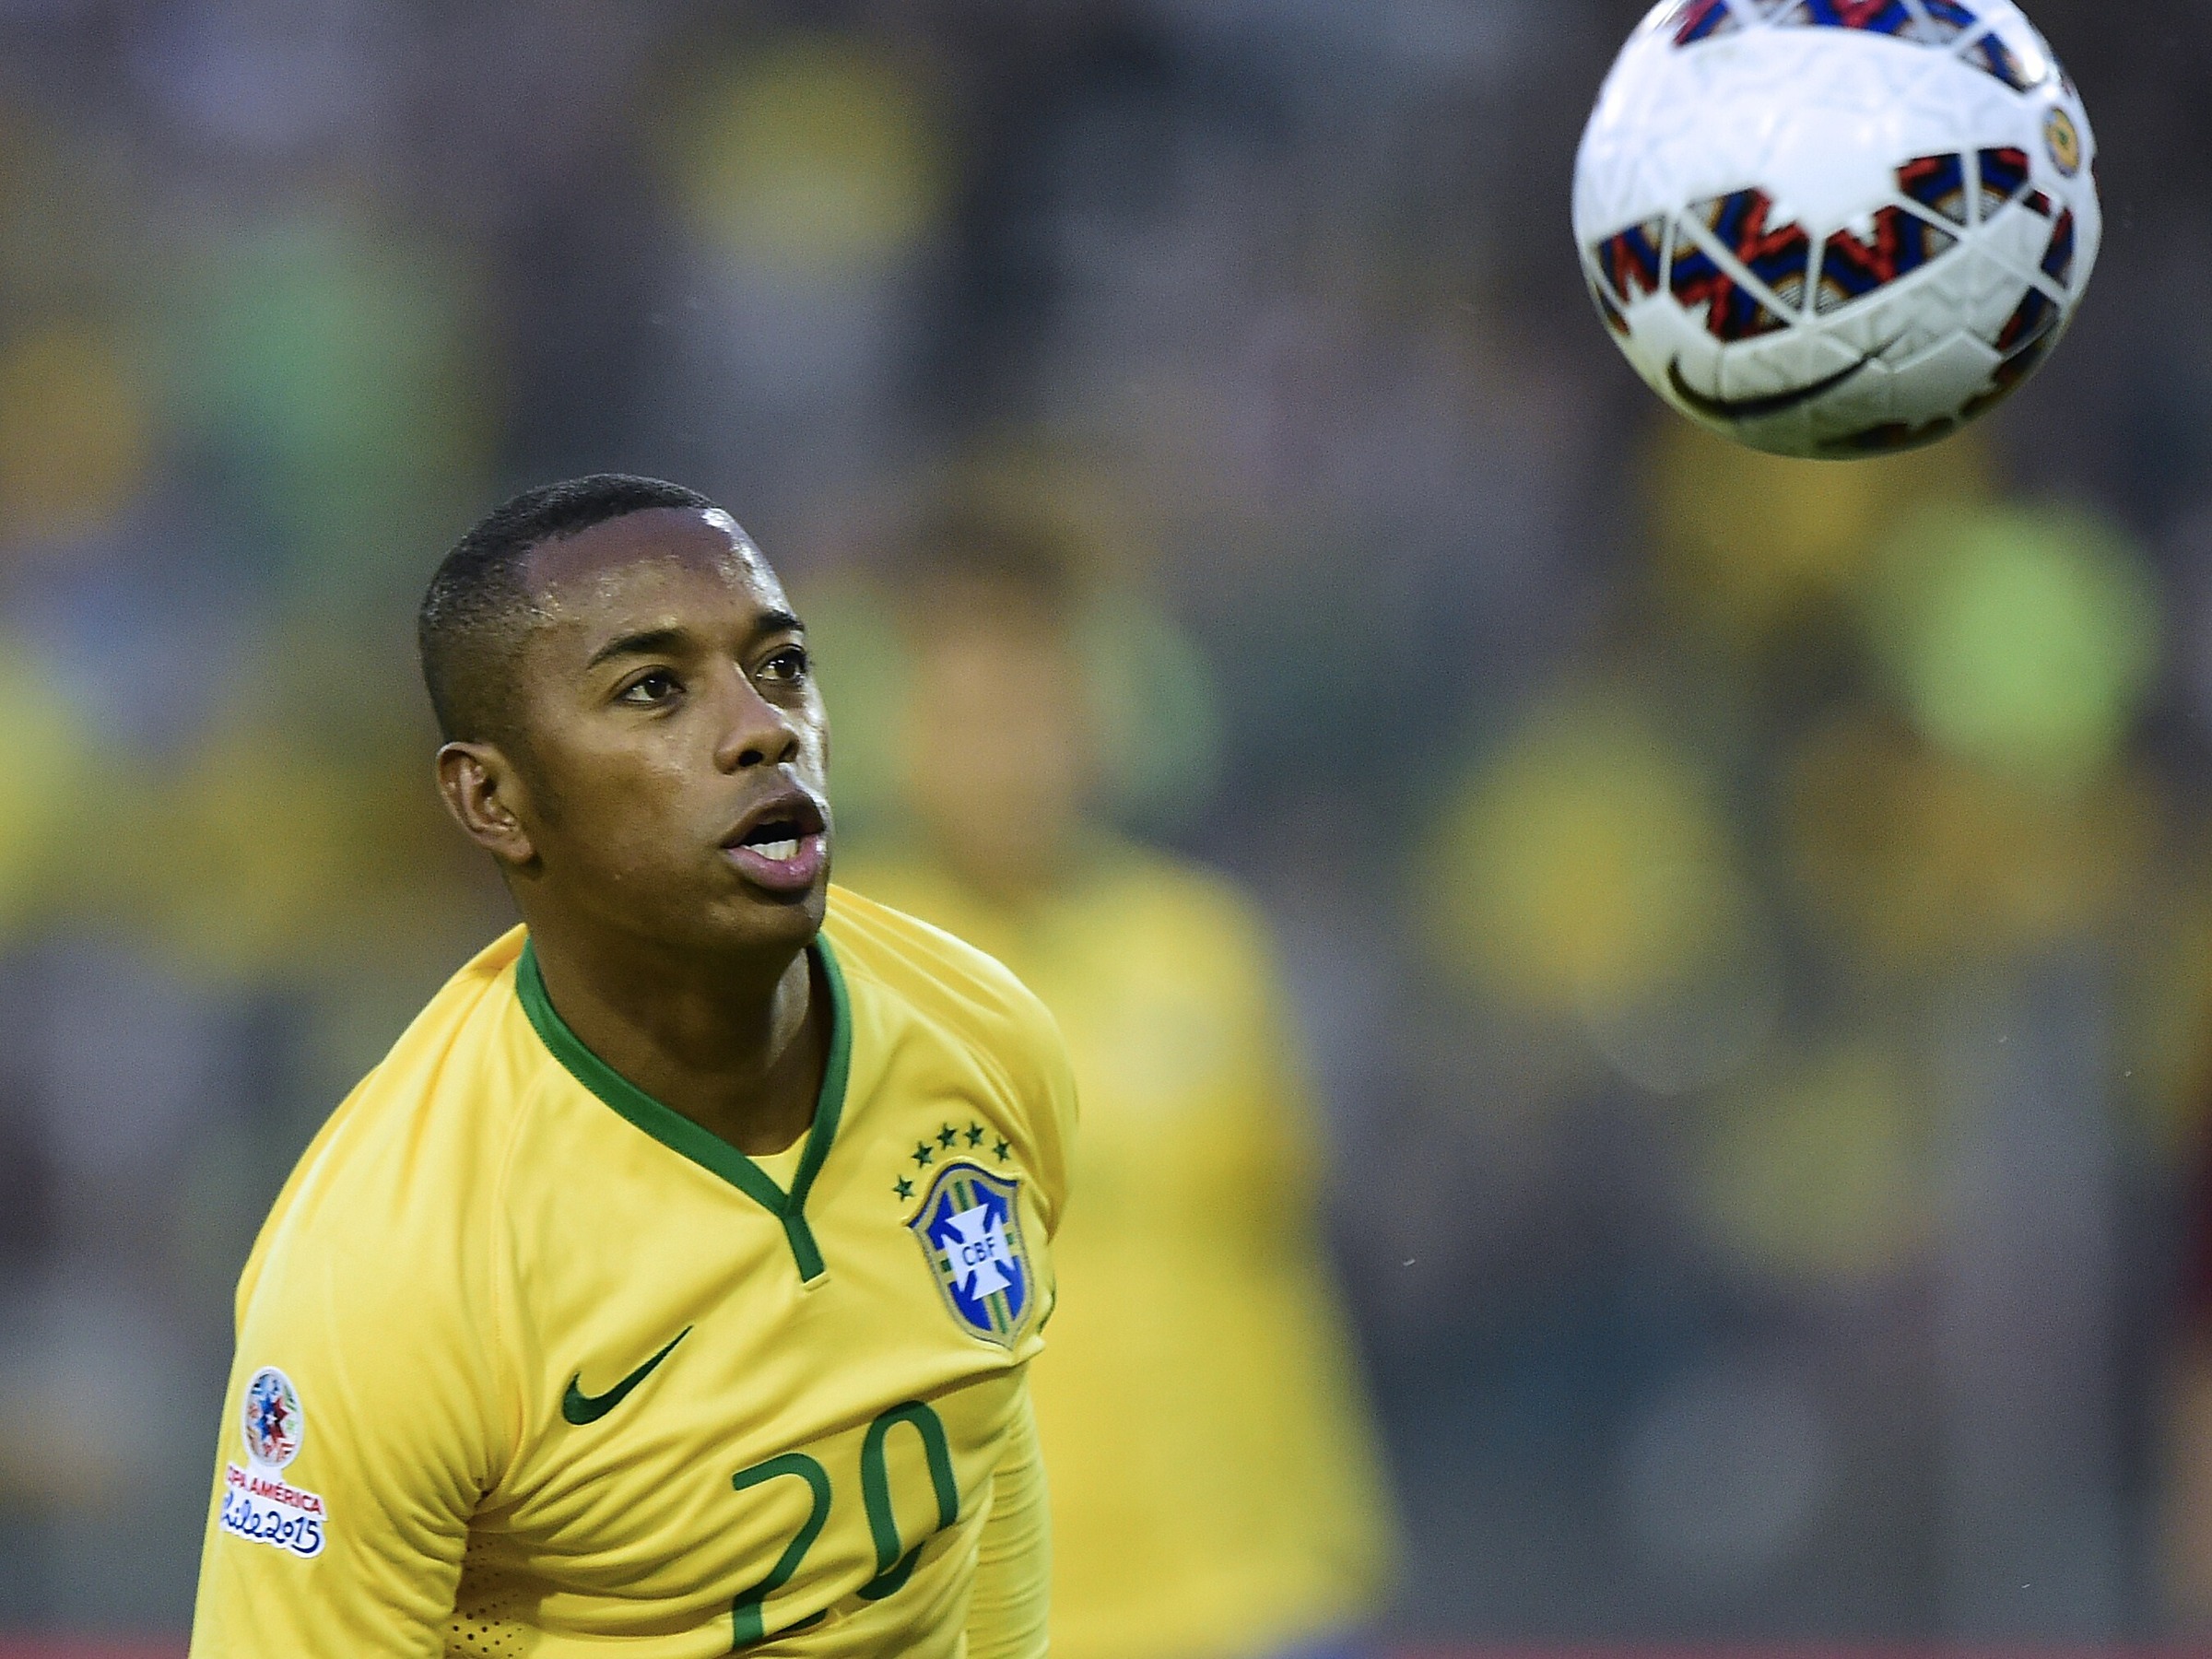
486, 797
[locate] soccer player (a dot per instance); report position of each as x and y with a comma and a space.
670, 1289
1215, 1492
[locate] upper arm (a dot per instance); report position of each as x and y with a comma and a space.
1046, 1083
348, 1534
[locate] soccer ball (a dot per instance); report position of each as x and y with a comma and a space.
1837, 228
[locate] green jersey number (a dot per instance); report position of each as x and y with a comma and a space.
748, 1616
891, 1570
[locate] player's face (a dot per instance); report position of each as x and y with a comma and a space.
998, 750
673, 783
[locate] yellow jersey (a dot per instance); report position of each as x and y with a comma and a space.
529, 1364
1215, 1488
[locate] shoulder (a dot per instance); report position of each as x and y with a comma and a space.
971, 996
379, 1282
923, 983
1188, 924
406, 1168
1172, 892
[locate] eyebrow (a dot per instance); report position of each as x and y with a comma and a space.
650, 641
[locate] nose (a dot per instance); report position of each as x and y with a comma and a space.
754, 732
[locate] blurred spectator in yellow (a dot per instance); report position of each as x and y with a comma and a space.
1216, 1489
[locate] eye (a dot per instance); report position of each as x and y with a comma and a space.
788, 666
650, 689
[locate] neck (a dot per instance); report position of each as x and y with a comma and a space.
736, 1045
1022, 875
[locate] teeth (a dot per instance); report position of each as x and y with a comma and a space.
780, 850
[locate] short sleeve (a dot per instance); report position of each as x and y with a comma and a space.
1047, 1081
356, 1442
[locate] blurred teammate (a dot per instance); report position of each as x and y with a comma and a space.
671, 1285
1214, 1485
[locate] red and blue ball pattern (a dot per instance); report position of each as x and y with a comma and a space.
1780, 256
1936, 23
1634, 263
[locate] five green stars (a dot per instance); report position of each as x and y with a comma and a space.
948, 1138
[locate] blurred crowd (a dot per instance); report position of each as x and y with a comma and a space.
1750, 922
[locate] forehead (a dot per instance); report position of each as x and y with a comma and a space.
965, 613
665, 559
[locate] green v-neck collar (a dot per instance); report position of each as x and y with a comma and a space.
701, 1146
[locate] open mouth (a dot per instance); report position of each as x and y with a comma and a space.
782, 846
778, 839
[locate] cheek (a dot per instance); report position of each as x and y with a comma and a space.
616, 808
1042, 734
1026, 748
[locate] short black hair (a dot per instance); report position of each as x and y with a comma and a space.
1014, 546
477, 608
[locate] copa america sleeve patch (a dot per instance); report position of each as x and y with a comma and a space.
258, 1503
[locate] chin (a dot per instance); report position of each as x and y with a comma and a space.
764, 920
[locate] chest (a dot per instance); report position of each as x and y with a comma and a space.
734, 1419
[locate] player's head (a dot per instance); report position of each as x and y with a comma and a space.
999, 750
631, 721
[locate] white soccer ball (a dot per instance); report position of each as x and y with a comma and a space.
1836, 228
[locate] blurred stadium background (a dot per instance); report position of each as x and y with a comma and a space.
1754, 920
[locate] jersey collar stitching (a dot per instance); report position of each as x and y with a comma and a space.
703, 1147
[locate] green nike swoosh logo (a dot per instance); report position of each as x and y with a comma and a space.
580, 1408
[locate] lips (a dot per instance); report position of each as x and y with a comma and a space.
782, 844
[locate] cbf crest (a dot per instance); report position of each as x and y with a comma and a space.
969, 1226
